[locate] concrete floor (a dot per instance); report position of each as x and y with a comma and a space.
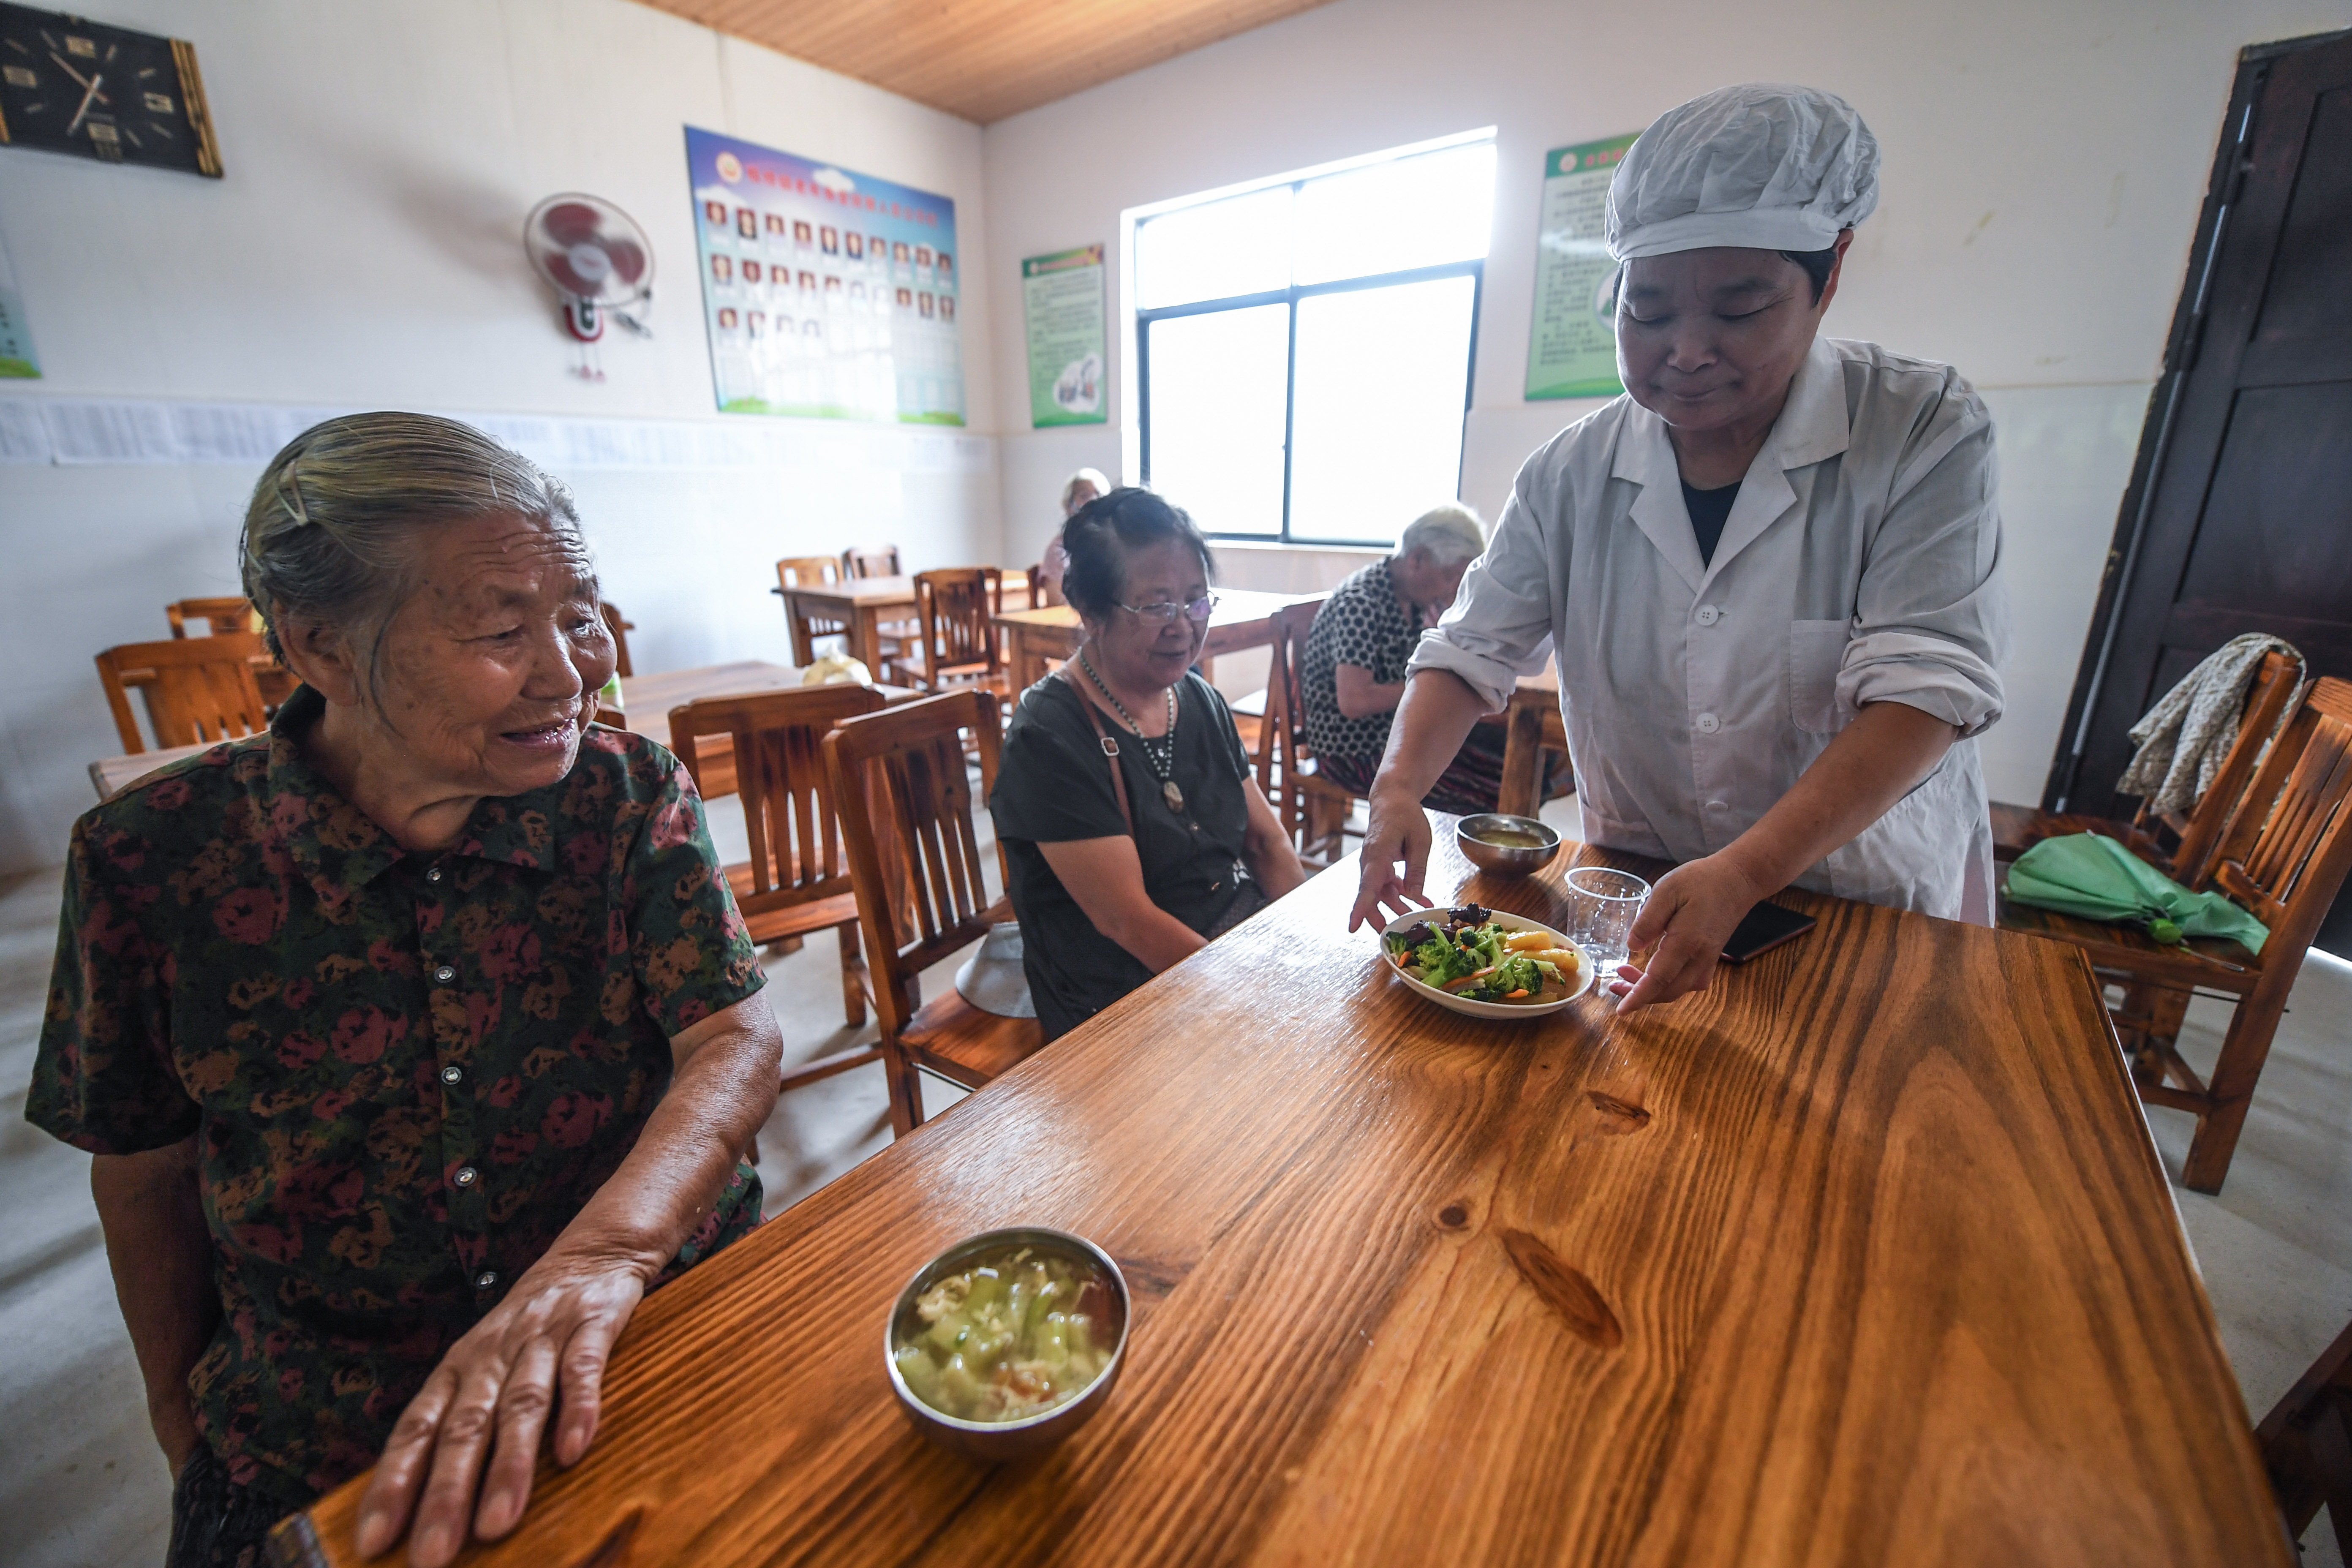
82, 1485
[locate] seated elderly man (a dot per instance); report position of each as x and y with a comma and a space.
416, 1039
1352, 675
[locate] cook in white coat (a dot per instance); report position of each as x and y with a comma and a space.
1798, 706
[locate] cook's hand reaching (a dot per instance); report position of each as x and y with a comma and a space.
1690, 914
481, 1414
1394, 831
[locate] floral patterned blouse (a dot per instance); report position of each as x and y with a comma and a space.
406, 1072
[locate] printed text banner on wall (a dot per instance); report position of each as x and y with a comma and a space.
96, 432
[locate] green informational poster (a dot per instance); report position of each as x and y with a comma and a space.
16, 357
1062, 296
1572, 343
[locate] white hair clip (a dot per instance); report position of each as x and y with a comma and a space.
291, 493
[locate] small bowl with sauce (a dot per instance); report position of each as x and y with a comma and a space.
1508, 846
1008, 1341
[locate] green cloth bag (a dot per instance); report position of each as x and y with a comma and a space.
2092, 876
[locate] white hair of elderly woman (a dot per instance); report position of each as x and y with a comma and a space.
1102, 487
1449, 533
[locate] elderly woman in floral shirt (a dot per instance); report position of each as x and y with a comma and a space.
416, 1039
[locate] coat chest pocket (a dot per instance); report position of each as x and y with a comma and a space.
1816, 650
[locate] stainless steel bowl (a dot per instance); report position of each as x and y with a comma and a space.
990, 1441
1508, 860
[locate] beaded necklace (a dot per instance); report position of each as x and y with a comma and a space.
1161, 756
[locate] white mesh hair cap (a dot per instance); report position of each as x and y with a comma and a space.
1762, 165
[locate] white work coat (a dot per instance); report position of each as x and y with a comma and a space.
1861, 564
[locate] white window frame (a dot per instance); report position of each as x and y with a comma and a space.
1135, 373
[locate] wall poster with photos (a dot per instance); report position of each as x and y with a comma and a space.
826, 295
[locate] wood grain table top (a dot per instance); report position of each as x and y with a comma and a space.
868, 593
1864, 1256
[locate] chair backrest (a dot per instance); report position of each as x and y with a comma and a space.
621, 628
1039, 593
954, 606
232, 613
797, 853
2287, 847
2276, 679
906, 805
807, 570
1282, 735
197, 689
870, 561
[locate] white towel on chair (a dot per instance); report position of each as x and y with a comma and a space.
2184, 739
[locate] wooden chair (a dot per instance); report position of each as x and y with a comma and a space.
621, 629
197, 689
1041, 593
2307, 1443
231, 614
870, 561
2283, 855
958, 644
2017, 828
808, 572
1313, 811
797, 881
862, 561
907, 806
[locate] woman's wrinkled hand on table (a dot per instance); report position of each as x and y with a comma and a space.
473, 1429
1681, 931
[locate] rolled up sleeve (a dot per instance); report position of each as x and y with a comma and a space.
1499, 625
1931, 619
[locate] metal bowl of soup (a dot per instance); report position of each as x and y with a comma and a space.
1513, 845
1008, 1341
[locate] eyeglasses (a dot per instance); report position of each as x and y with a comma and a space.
1199, 609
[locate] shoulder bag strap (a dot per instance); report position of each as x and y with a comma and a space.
1110, 743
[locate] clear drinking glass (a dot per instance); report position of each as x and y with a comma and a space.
1602, 906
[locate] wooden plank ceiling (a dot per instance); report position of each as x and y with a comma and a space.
983, 59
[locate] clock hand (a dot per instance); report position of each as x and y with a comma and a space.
80, 80
85, 105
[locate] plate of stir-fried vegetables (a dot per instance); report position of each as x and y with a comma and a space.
1485, 963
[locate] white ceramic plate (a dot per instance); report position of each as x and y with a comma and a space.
1508, 922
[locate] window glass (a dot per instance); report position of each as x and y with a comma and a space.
1214, 251
1382, 379
1218, 383
1388, 218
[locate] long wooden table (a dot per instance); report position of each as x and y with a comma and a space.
860, 605
1864, 1257
1244, 618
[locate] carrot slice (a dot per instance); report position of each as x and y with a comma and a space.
1469, 979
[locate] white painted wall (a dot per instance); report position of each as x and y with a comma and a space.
364, 251
2043, 164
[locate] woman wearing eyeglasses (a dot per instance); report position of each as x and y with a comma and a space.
1134, 831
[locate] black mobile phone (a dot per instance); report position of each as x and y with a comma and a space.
1766, 927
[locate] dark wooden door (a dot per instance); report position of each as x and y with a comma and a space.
2240, 515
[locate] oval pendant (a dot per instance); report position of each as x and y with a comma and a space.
1175, 797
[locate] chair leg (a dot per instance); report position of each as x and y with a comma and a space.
2243, 1050
906, 1089
853, 974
